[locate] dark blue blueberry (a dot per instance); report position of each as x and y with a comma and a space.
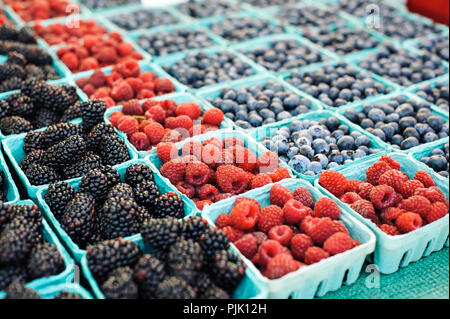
362, 141
336, 157
346, 143
322, 159
438, 163
241, 116
388, 130
337, 134
393, 117
320, 146
430, 137
255, 120
411, 131
296, 126
435, 122
397, 139
406, 122
307, 151
376, 115
379, 133
315, 167
367, 123
409, 142
352, 115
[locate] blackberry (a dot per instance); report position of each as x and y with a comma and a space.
143, 214
34, 157
112, 174
59, 132
34, 140
174, 288
120, 284
9, 274
20, 105
44, 117
38, 174
138, 173
72, 113
120, 218
8, 71
14, 125
121, 191
27, 35
50, 96
28, 86
215, 293
35, 72
146, 194
10, 84
203, 283
92, 112
58, 196
227, 270
71, 91
184, 260
2, 196
64, 295
94, 139
17, 290
52, 74
161, 233
16, 58
94, 183
148, 273
79, 219
169, 205
29, 212
4, 108
45, 260
68, 151
113, 150
213, 241
86, 164
193, 227
111, 254
8, 33
161, 255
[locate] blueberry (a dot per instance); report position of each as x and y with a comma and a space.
283, 116
322, 159
255, 120
320, 146
299, 163
397, 139
438, 163
332, 165
336, 157
379, 133
393, 117
435, 122
352, 115
316, 131
388, 130
292, 101
362, 141
366, 123
302, 141
266, 114
315, 167
296, 126
346, 143
292, 152
411, 131
430, 137
347, 155
241, 116
376, 115
337, 134
408, 143
406, 122
268, 144
307, 151
359, 154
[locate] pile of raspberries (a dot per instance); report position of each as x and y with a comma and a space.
154, 122
30, 10
288, 234
97, 51
389, 198
125, 82
214, 170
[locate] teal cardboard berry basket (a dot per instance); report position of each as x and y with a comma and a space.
10, 188
393, 252
74, 248
312, 280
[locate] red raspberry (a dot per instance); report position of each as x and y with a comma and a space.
97, 79
203, 203
338, 243
166, 151
382, 196
122, 91
352, 185
129, 69
391, 214
244, 215
249, 201
390, 230
140, 141
280, 195
188, 190
350, 198
136, 84
71, 60
155, 132
339, 227
222, 196
148, 76
247, 246
268, 250
115, 118
260, 237
107, 55
245, 160
434, 194
90, 63
281, 234
281, 265
280, 174
125, 49
223, 220
190, 109
129, 125
299, 244
393, 178
424, 178
268, 162
208, 191
392, 163
231, 179
326, 207
398, 199
315, 254
260, 180
148, 104
232, 141
364, 208
172, 136
197, 174
294, 212
214, 141
192, 148
164, 86
364, 190
233, 234
174, 171
416, 204
408, 222
211, 155
132, 107
213, 116
334, 182
156, 113
184, 122
409, 187
438, 210
320, 229
269, 217
375, 171
303, 195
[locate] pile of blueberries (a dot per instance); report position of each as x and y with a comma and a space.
207, 8
438, 95
438, 160
178, 40
310, 146
309, 16
260, 104
269, 3
337, 85
342, 40
103, 4
198, 69
402, 122
236, 29
284, 55
438, 46
364, 8
402, 28
403, 67
143, 19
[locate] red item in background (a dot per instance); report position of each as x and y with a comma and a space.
436, 9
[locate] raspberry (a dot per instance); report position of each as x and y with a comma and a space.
352, 185
320, 229
222, 196
192, 148
233, 234
424, 178
122, 91
210, 155
382, 196
164, 86
179, 122
107, 55
190, 109
315, 254
350, 198
390, 230
260, 180
148, 76
108, 101
416, 204
281, 265
129, 69
197, 174
174, 171
208, 191
299, 244
338, 243
97, 79
392, 163
125, 49
155, 132
268, 162
201, 204
90, 63
136, 84
280, 195
244, 215
339, 227
269, 217
223, 220
434, 194
231, 179
171, 136
166, 151
364, 190
249, 201
375, 171
437, 211
334, 182
132, 107
294, 212
232, 141
281, 234
268, 250
129, 125
213, 116
280, 174
71, 61
303, 195
214, 141
247, 161
260, 237
393, 178
186, 189
156, 113
140, 141
247, 246
408, 222
364, 208
391, 214
409, 187
326, 207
